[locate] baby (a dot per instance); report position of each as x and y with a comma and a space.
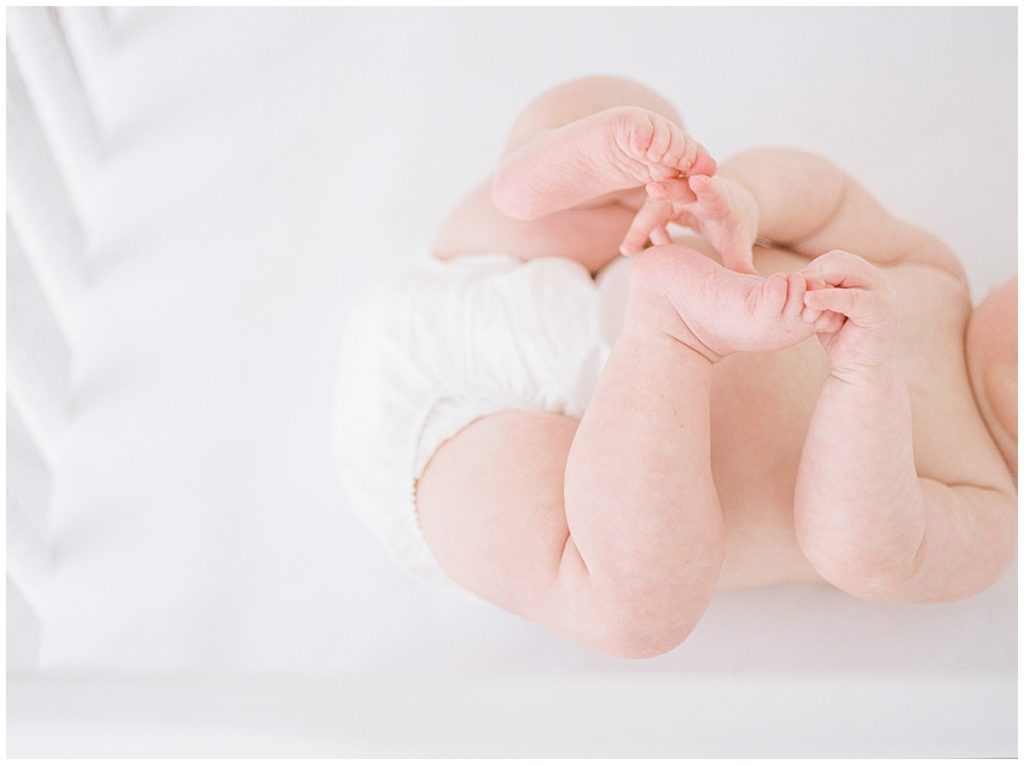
801, 393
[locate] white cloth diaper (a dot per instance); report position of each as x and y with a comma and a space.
446, 343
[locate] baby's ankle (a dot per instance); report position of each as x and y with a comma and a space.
650, 312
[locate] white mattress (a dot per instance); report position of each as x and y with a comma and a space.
264, 165
517, 714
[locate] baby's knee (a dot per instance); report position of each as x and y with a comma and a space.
647, 627
992, 362
579, 98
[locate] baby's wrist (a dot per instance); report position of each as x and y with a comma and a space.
882, 374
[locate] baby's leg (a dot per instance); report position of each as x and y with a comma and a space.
585, 228
608, 532
611, 535
992, 365
574, 100
584, 141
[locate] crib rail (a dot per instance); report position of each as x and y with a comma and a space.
53, 154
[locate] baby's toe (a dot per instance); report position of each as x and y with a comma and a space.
639, 138
661, 140
661, 173
682, 152
703, 163
775, 289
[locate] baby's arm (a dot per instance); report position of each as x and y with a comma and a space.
809, 205
864, 518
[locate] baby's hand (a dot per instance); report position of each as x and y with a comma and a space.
854, 312
721, 210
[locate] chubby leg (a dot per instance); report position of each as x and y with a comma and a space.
609, 533
992, 366
640, 499
576, 99
572, 102
570, 180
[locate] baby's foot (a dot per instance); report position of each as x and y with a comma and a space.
723, 211
726, 214
614, 150
720, 311
644, 147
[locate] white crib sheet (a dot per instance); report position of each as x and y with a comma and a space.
264, 165
504, 714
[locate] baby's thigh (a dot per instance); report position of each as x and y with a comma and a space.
992, 363
992, 331
589, 236
490, 503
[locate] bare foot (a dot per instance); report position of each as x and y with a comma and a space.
719, 311
622, 148
720, 209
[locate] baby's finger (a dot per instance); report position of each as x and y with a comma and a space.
660, 236
654, 213
795, 299
829, 322
815, 282
865, 307
674, 189
810, 315
845, 269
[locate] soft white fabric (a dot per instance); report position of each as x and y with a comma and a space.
46, 63
41, 215
38, 363
266, 166
52, 156
440, 346
516, 714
